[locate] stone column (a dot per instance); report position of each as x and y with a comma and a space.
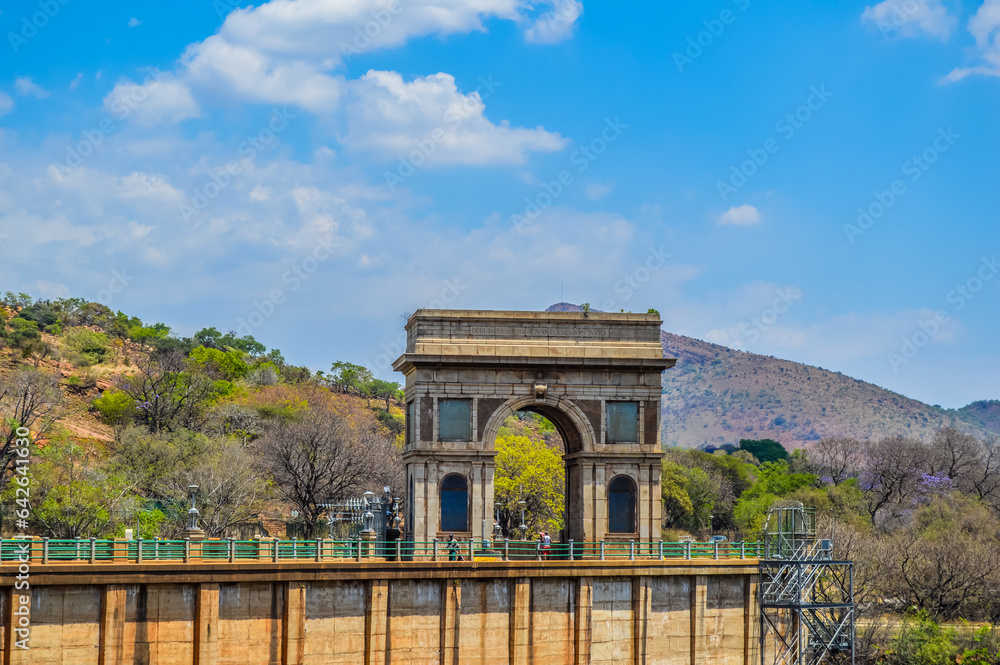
376, 622
111, 650
206, 624
294, 633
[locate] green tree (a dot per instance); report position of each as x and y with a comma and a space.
765, 450
529, 470
348, 377
385, 390
85, 347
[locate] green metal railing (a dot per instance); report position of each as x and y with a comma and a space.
92, 550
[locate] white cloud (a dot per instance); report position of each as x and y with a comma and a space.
6, 104
287, 51
985, 27
75, 82
160, 98
911, 18
744, 215
555, 24
25, 86
598, 190
134, 22
392, 118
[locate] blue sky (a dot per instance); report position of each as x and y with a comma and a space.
816, 182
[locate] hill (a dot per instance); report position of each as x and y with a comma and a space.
716, 395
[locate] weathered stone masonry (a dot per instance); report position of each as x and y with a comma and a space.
569, 367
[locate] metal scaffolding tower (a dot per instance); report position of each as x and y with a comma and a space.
806, 598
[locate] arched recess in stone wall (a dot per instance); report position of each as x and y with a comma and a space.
573, 425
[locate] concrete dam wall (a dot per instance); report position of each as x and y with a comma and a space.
488, 613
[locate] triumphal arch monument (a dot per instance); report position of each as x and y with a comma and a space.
596, 376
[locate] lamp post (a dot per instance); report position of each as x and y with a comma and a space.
192, 531
710, 517
523, 527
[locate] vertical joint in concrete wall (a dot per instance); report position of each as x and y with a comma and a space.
450, 619
641, 609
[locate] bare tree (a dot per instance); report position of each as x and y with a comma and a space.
29, 398
893, 467
231, 488
325, 457
953, 453
838, 458
165, 395
983, 479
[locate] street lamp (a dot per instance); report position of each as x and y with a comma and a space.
523, 527
193, 513
710, 517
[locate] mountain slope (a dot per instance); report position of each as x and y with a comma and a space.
717, 395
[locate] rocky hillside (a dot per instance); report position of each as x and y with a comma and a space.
716, 395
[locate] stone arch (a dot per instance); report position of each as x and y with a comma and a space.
573, 425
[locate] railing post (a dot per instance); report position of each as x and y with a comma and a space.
687, 549
506, 549
319, 549
538, 551
295, 547
187, 550
570, 549
716, 555
661, 550
399, 550
156, 548
434, 549
472, 545
276, 548
231, 549
359, 550
138, 550
602, 550
631, 550
743, 550
45, 550
93, 550
78, 547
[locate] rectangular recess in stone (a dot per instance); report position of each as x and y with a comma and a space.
623, 422
455, 418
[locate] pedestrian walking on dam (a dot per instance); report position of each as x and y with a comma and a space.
453, 549
546, 542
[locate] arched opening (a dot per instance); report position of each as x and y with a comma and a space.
621, 505
455, 503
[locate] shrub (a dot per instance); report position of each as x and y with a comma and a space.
86, 347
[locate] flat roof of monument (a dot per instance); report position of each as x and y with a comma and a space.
527, 315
